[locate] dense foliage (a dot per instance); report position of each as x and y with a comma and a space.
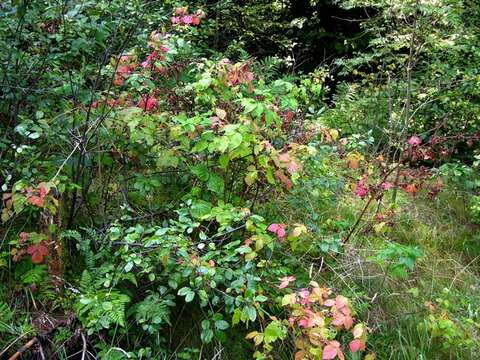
266, 179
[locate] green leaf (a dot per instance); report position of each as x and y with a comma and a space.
128, 266
221, 325
201, 171
184, 291
189, 296
206, 335
250, 312
261, 298
274, 331
216, 184
223, 161
205, 324
251, 177
235, 140
200, 208
205, 82
249, 105
237, 313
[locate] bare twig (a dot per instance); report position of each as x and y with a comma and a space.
24, 348
84, 349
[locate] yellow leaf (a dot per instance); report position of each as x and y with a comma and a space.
251, 335
259, 244
358, 331
296, 232
164, 260
380, 228
6, 214
258, 339
289, 299
221, 113
250, 256
334, 134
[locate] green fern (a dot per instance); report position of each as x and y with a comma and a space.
70, 234
6, 315
35, 275
86, 282
83, 244
101, 309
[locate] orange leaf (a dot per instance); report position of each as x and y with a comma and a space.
353, 164
300, 355
284, 179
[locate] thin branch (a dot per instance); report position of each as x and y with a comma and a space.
24, 348
84, 349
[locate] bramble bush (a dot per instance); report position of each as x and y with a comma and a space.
155, 198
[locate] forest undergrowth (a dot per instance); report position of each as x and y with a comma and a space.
184, 180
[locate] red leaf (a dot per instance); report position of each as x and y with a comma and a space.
329, 302
284, 281
411, 189
187, 19
118, 81
348, 322
356, 345
123, 70
150, 58
340, 302
338, 319
42, 249
387, 185
23, 236
273, 228
289, 116
37, 257
195, 20
414, 141
330, 351
42, 191
147, 103
180, 10
36, 200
